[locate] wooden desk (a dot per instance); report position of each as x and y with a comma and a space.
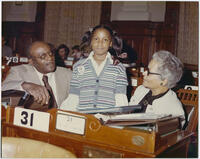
103, 141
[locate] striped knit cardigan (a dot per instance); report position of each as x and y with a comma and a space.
97, 92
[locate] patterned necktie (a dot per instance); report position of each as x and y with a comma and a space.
52, 100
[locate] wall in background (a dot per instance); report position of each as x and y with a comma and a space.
66, 22
19, 11
21, 32
138, 11
179, 36
188, 35
147, 36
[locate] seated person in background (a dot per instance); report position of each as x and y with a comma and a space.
128, 55
85, 49
6, 50
75, 49
76, 53
96, 82
61, 55
155, 94
16, 53
30, 77
186, 79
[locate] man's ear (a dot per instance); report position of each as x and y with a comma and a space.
111, 44
30, 61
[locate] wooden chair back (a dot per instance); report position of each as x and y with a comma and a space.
190, 100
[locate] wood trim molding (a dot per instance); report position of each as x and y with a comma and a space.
191, 67
145, 36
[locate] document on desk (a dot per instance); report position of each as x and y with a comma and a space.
113, 110
131, 119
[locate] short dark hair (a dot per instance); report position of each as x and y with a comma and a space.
65, 47
117, 42
76, 47
28, 49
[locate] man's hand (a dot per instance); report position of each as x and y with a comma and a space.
40, 93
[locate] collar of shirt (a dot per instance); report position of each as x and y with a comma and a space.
99, 68
90, 57
40, 75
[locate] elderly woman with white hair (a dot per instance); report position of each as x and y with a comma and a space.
155, 94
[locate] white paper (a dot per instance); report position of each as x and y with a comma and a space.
70, 122
136, 116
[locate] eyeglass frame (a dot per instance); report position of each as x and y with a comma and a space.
152, 73
43, 56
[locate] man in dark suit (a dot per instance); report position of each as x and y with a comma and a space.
29, 77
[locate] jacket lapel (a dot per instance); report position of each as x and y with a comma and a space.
32, 75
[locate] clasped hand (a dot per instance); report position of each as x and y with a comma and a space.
40, 93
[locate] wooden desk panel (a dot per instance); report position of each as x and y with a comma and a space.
102, 141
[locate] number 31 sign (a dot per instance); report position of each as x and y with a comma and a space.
32, 119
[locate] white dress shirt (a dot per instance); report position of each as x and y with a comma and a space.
51, 81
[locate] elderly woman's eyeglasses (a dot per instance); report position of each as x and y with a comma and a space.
148, 72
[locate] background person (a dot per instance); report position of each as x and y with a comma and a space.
76, 53
6, 50
61, 55
128, 55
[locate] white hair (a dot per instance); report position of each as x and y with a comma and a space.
169, 66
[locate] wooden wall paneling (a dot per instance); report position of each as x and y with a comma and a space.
23, 41
10, 32
154, 41
21, 34
105, 12
40, 17
191, 67
172, 22
139, 35
137, 43
147, 37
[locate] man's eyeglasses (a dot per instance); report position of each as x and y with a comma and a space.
44, 56
148, 72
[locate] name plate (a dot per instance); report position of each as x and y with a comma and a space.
32, 119
23, 59
189, 87
70, 122
69, 63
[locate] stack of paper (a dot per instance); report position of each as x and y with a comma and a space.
131, 119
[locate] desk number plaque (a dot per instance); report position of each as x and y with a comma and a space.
70, 122
32, 119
